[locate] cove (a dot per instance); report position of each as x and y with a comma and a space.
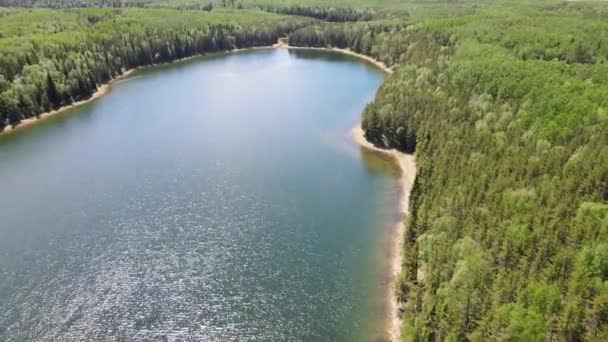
215, 199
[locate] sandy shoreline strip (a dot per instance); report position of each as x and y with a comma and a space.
102, 90
379, 64
105, 88
407, 173
405, 162
407, 166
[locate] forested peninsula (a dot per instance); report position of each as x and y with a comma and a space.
504, 104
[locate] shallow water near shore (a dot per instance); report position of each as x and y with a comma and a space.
215, 199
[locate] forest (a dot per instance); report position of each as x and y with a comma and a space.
51, 58
504, 104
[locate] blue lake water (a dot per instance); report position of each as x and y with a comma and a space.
216, 199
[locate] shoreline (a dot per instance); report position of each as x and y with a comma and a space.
105, 88
372, 60
405, 162
407, 173
102, 90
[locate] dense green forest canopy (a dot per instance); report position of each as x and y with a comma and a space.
50, 58
505, 105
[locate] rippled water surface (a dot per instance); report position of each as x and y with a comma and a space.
218, 199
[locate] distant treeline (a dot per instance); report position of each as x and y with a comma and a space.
387, 43
325, 13
204, 5
330, 14
66, 56
76, 3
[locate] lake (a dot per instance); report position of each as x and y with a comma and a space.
215, 199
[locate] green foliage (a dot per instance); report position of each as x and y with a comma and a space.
520, 324
504, 103
508, 234
49, 58
330, 14
512, 156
